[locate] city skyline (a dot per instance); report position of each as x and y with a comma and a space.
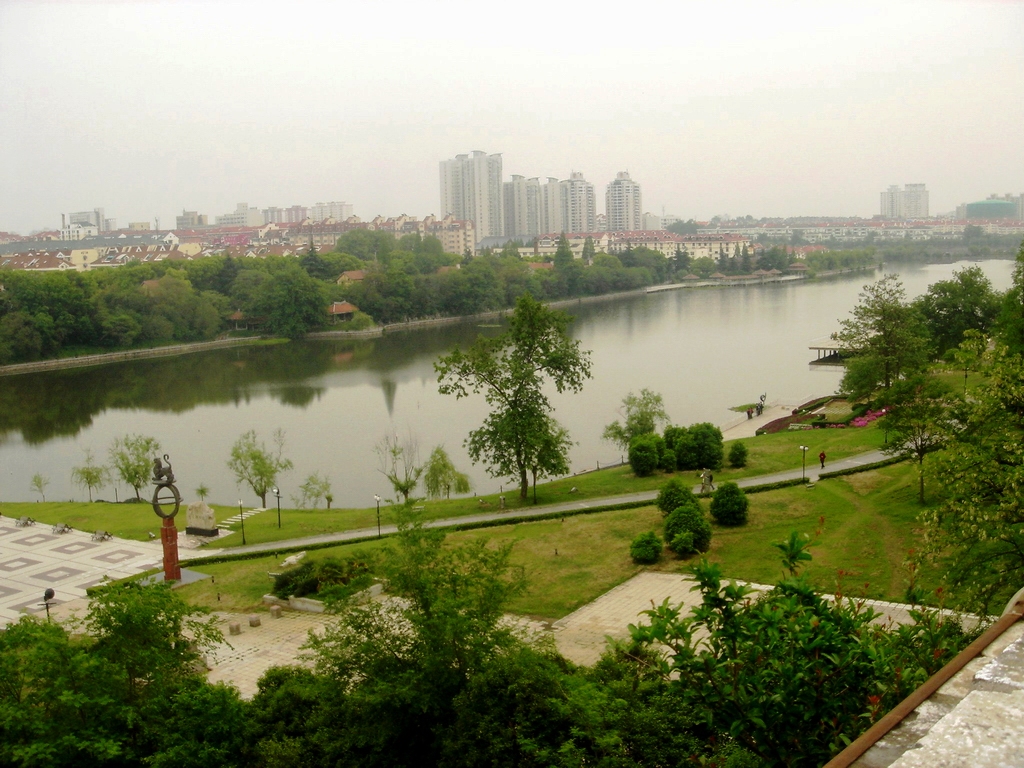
770, 110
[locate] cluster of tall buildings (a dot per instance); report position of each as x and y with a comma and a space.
246, 215
472, 188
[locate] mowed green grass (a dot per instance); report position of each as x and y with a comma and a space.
869, 526
767, 454
129, 521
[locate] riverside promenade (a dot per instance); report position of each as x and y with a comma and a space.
546, 510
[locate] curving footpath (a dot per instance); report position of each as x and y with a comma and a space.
546, 510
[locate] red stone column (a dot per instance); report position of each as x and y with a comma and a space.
169, 538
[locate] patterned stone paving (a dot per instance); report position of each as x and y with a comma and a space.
33, 558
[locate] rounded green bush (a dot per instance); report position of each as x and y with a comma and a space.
729, 505
738, 455
674, 494
691, 520
668, 461
646, 548
643, 455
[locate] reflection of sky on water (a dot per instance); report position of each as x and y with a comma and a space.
703, 350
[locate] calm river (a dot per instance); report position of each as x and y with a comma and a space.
704, 350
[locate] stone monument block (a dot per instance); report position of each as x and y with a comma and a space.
200, 520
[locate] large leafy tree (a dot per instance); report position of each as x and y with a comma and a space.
978, 530
291, 301
952, 307
397, 667
883, 341
510, 371
917, 420
641, 415
132, 457
256, 465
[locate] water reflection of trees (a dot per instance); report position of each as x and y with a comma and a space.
52, 404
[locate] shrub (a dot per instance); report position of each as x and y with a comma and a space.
688, 520
644, 454
682, 544
646, 548
738, 455
707, 442
313, 577
675, 494
729, 505
667, 462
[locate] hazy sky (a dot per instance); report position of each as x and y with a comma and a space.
771, 109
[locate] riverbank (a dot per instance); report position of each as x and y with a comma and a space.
103, 358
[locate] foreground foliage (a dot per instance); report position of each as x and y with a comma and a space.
790, 676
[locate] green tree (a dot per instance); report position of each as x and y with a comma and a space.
202, 491
551, 454
256, 465
688, 520
90, 475
131, 457
315, 488
644, 454
39, 484
441, 476
511, 371
563, 253
588, 251
884, 340
750, 665
641, 415
917, 420
1011, 317
396, 669
950, 308
292, 302
978, 530
675, 494
399, 463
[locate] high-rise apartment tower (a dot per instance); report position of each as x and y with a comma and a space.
623, 205
471, 190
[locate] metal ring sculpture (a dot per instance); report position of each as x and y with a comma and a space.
165, 493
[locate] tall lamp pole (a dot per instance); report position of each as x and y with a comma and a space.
803, 462
277, 493
241, 518
377, 499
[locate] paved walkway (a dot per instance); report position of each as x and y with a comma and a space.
812, 471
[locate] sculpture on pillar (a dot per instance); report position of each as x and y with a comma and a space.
166, 495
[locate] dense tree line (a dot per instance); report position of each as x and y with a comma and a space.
45, 315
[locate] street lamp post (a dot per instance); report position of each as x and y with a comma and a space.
241, 518
803, 463
277, 493
377, 499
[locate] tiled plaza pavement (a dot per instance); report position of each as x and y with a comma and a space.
33, 558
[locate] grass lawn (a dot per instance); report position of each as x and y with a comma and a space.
869, 527
766, 454
129, 521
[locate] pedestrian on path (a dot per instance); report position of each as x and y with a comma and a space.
821, 458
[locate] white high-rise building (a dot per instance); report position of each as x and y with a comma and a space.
623, 204
578, 204
471, 190
911, 202
524, 208
551, 212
